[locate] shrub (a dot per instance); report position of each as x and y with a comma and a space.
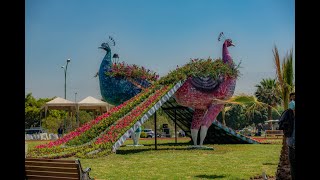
143, 135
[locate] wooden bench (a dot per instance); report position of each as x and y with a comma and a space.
275, 133
53, 169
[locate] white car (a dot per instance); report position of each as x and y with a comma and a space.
149, 132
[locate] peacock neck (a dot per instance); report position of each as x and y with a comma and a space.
106, 62
225, 54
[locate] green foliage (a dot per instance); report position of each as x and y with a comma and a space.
235, 117
250, 103
85, 116
143, 135
277, 113
162, 118
32, 116
268, 93
285, 75
52, 124
201, 68
259, 116
32, 110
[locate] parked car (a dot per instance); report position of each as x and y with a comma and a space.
35, 130
149, 132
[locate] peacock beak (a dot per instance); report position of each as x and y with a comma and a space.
232, 44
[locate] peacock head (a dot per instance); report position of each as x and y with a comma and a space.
106, 47
228, 42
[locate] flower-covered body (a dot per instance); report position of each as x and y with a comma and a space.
199, 93
191, 97
113, 89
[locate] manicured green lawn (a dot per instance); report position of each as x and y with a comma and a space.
175, 161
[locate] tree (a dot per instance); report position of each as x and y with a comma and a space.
254, 110
277, 113
259, 116
285, 77
32, 110
267, 93
235, 117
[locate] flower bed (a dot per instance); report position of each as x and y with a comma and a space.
105, 142
268, 140
106, 122
111, 134
88, 131
132, 71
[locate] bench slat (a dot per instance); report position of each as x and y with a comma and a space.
274, 132
50, 160
54, 169
50, 178
52, 174
50, 164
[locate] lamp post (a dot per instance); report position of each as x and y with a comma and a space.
75, 97
65, 68
75, 100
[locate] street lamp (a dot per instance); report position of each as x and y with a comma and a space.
77, 115
75, 97
65, 68
115, 57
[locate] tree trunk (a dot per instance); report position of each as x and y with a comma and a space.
270, 117
283, 170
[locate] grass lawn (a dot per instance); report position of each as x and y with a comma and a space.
175, 161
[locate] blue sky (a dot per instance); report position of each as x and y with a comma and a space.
158, 34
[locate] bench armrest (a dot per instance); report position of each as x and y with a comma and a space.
87, 170
84, 174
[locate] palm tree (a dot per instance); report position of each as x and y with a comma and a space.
267, 93
251, 103
285, 85
284, 76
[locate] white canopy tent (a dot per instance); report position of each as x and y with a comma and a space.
88, 103
92, 103
59, 103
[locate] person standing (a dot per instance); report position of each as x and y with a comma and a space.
60, 132
259, 128
291, 140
